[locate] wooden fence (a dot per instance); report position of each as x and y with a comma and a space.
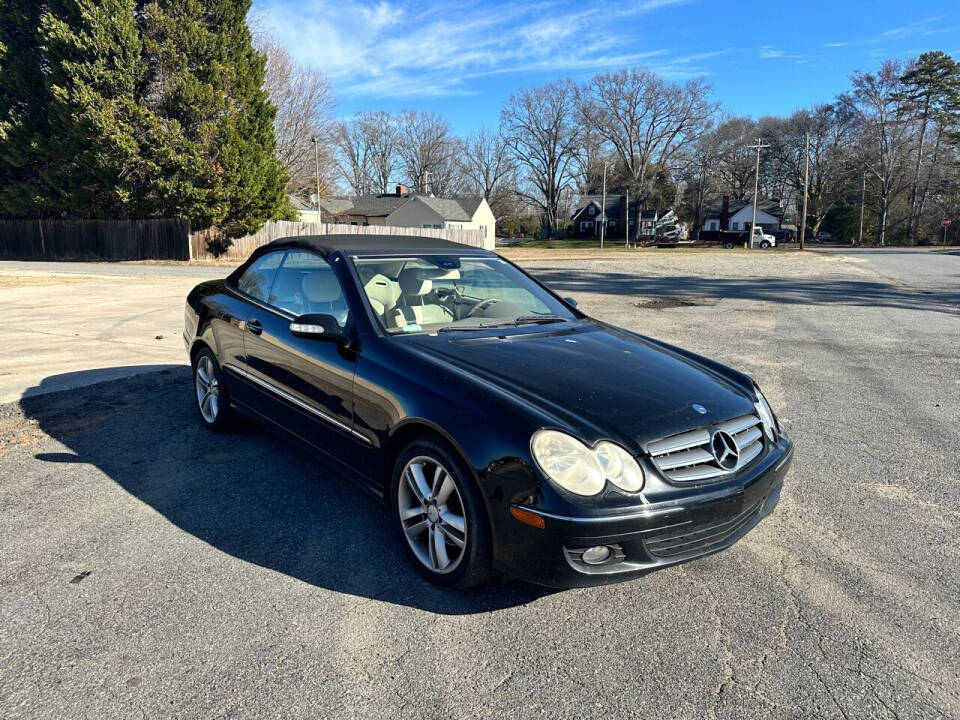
172, 239
203, 243
95, 239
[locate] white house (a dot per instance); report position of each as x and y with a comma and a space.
424, 211
740, 215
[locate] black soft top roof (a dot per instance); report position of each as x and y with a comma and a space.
366, 244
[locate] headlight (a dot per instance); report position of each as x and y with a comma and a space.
575, 467
766, 415
619, 467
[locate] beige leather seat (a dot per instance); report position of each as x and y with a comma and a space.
322, 294
382, 292
411, 309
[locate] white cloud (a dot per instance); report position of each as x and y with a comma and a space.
394, 49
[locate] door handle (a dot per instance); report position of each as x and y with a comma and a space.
254, 326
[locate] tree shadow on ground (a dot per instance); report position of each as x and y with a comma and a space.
248, 493
791, 291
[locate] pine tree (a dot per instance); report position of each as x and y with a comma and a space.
206, 80
93, 52
23, 101
932, 83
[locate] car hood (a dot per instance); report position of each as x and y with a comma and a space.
597, 380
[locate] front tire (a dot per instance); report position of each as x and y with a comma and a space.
210, 394
765, 244
440, 515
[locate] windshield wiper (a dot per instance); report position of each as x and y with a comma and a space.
485, 326
522, 320
529, 319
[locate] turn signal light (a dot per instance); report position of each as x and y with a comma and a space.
527, 517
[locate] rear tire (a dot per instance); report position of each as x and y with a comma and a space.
728, 246
440, 515
209, 392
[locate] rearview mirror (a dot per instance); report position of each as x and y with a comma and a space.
317, 326
571, 301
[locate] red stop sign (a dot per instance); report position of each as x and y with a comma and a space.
945, 222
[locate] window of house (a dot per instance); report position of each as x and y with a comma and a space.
585, 225
735, 226
592, 210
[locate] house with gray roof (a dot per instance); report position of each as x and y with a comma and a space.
426, 211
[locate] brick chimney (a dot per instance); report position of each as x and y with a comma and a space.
401, 190
725, 213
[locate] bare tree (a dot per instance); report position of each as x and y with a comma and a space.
538, 127
832, 173
305, 105
488, 169
646, 120
353, 158
367, 148
883, 114
426, 149
735, 161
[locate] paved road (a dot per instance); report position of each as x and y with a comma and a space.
230, 577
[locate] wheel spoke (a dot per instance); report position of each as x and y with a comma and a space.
416, 529
431, 547
451, 535
423, 487
411, 512
440, 549
205, 405
446, 489
412, 484
438, 475
455, 521
203, 371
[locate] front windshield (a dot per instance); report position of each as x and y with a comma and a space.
445, 293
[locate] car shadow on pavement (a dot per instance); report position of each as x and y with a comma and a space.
791, 291
248, 493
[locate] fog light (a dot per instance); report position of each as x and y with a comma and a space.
596, 555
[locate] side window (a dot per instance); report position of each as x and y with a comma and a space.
306, 283
257, 279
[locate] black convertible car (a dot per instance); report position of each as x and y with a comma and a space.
506, 430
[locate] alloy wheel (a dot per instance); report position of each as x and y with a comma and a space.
208, 389
432, 514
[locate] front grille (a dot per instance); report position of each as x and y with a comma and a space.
688, 457
698, 538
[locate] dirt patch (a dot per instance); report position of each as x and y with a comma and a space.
16, 281
62, 416
666, 303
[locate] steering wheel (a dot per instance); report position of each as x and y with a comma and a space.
482, 305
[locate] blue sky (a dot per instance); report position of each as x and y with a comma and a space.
463, 59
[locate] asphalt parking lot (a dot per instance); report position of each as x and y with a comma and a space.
148, 567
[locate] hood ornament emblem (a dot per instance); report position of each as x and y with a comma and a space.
699, 408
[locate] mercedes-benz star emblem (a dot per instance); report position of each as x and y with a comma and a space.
699, 408
725, 450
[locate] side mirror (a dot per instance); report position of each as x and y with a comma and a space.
571, 301
317, 326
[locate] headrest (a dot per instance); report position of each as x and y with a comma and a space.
413, 281
321, 286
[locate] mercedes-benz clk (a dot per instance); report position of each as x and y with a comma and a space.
506, 431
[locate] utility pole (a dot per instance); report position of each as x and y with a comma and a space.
626, 223
316, 160
603, 208
756, 186
863, 200
806, 185
426, 182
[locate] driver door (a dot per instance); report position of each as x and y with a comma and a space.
305, 384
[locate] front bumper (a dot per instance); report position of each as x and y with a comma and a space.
645, 538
